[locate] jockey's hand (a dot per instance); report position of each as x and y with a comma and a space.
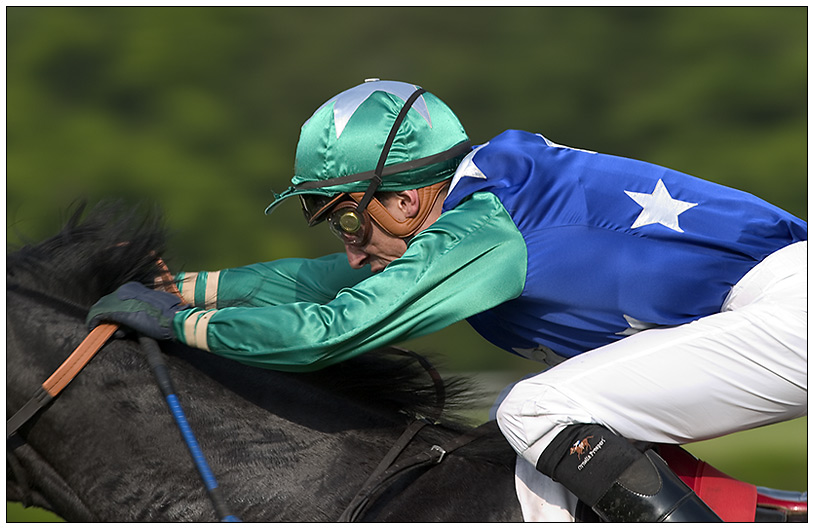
133, 305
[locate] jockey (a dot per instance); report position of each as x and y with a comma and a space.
665, 308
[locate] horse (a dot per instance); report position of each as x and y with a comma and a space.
307, 447
284, 447
580, 447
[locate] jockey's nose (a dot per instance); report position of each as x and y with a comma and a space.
356, 256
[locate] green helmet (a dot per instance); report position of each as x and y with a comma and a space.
377, 136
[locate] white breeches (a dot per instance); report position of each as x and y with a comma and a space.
738, 369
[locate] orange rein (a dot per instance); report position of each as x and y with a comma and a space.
78, 359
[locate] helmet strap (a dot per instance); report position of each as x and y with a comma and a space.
376, 181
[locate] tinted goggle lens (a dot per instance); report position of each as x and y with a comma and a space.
315, 207
349, 225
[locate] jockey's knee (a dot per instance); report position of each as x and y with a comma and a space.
532, 414
510, 423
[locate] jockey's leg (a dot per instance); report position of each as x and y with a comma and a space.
738, 369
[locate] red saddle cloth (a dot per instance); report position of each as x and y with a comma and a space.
731, 499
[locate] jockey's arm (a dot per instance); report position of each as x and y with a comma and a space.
471, 259
271, 283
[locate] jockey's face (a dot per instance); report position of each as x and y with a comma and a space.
382, 248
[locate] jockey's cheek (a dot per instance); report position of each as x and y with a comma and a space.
381, 250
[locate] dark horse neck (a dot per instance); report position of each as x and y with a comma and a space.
284, 447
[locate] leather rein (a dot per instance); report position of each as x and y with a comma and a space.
51, 388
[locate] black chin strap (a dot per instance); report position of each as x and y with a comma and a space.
376, 181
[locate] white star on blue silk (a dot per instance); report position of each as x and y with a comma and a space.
659, 207
346, 103
635, 326
468, 168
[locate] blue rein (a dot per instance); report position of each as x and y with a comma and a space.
162, 376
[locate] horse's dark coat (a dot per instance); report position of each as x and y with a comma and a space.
284, 447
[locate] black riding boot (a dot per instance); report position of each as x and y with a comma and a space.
619, 482
648, 491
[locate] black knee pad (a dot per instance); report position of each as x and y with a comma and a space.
587, 459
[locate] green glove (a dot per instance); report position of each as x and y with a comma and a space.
133, 305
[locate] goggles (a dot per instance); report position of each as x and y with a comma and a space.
352, 226
316, 207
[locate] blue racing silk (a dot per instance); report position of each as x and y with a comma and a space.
614, 245
304, 314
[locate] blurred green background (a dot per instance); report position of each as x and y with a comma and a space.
199, 109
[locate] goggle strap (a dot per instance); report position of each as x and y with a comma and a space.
377, 174
368, 196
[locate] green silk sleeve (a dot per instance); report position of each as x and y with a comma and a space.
470, 260
272, 283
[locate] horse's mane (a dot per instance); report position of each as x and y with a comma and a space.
95, 252
102, 247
